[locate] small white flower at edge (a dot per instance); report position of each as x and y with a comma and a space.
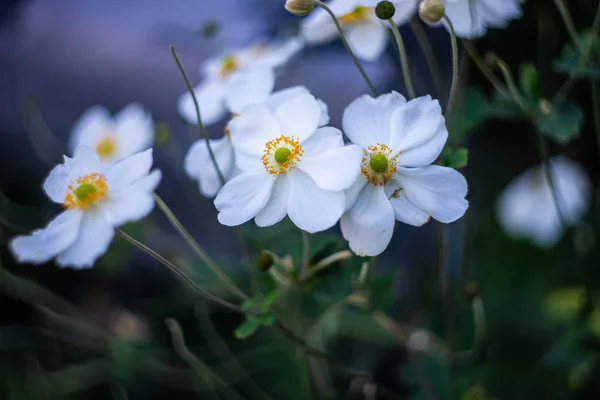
289, 166
400, 140
198, 164
113, 138
367, 35
526, 207
472, 18
243, 76
96, 201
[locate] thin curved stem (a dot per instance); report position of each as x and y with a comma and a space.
484, 69
543, 151
430, 57
510, 82
348, 49
198, 250
180, 274
454, 42
200, 124
403, 59
566, 16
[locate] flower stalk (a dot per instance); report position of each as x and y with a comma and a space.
453, 86
403, 59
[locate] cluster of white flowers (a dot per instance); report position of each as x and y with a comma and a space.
279, 158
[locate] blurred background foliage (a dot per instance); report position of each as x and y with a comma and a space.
514, 322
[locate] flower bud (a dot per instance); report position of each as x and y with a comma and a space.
264, 261
385, 10
299, 7
431, 11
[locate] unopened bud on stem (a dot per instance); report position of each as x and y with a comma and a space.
264, 261
299, 7
385, 10
431, 11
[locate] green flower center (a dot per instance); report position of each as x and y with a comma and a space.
379, 163
282, 155
84, 190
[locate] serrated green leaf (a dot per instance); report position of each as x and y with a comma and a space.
563, 124
570, 61
454, 157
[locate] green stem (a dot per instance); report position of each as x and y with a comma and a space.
453, 40
174, 269
200, 124
484, 69
325, 263
430, 57
510, 82
348, 49
543, 151
566, 16
198, 250
403, 59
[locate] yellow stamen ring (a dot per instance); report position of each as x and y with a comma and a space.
86, 191
378, 165
282, 154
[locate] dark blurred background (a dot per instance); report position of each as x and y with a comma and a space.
59, 57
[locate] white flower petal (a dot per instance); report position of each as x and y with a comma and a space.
336, 168
278, 54
252, 86
135, 130
199, 166
276, 208
369, 225
243, 197
124, 173
283, 95
324, 119
252, 129
211, 101
415, 124
367, 39
95, 234
323, 140
405, 9
299, 116
311, 208
439, 191
43, 244
573, 187
351, 194
85, 161
367, 120
465, 19
404, 210
135, 203
92, 124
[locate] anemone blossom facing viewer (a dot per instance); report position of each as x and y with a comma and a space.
367, 35
113, 138
240, 77
289, 166
199, 166
526, 209
96, 201
400, 140
472, 18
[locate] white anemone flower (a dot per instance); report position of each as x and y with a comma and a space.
526, 208
367, 35
289, 166
96, 201
198, 164
472, 18
400, 140
113, 138
240, 77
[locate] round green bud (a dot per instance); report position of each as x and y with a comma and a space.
385, 10
281, 155
84, 190
431, 11
299, 7
264, 261
379, 163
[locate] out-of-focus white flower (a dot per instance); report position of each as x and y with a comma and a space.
113, 138
198, 164
96, 201
367, 35
289, 166
472, 18
238, 78
527, 209
400, 140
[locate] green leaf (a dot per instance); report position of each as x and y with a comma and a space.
253, 322
562, 124
468, 115
247, 328
528, 79
570, 62
564, 304
454, 157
